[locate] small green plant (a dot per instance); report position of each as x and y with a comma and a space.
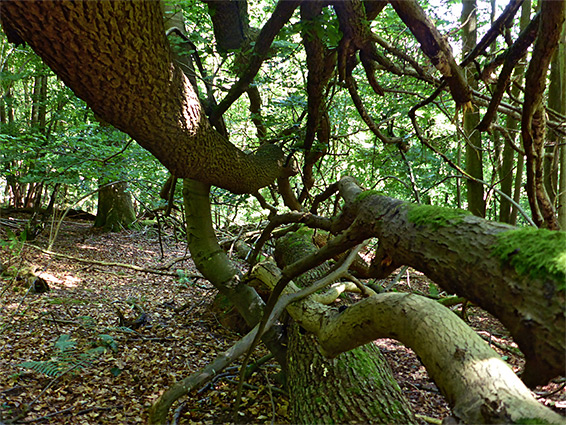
67, 357
67, 301
433, 290
184, 280
11, 247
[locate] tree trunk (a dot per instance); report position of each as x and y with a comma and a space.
521, 280
533, 119
474, 153
215, 265
479, 386
356, 386
133, 84
115, 209
507, 211
557, 101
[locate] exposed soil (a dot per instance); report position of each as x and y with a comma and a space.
178, 334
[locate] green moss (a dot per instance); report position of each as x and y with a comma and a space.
434, 216
537, 252
363, 195
533, 421
299, 239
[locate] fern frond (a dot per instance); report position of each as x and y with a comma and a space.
50, 367
66, 356
65, 343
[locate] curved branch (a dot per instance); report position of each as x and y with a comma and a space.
477, 383
435, 47
449, 252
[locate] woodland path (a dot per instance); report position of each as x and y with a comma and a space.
120, 383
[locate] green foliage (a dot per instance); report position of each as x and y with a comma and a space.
66, 357
433, 290
184, 280
69, 148
105, 341
435, 216
540, 253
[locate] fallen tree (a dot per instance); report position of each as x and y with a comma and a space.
479, 386
116, 57
355, 386
477, 383
518, 275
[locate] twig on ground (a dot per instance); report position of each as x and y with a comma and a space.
112, 264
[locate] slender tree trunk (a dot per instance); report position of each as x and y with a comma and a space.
474, 154
39, 103
215, 265
507, 211
557, 101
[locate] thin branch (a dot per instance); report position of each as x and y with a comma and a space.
280, 16
503, 20
515, 53
111, 264
309, 219
459, 169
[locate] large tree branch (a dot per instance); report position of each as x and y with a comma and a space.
115, 56
435, 47
516, 282
478, 384
533, 120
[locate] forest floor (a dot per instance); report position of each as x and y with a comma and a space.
100, 372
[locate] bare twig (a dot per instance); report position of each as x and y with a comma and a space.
111, 264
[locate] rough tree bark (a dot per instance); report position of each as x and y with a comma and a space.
356, 386
533, 120
479, 386
520, 281
115, 56
115, 209
435, 47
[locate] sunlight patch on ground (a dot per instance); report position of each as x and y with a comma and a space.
67, 280
92, 248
